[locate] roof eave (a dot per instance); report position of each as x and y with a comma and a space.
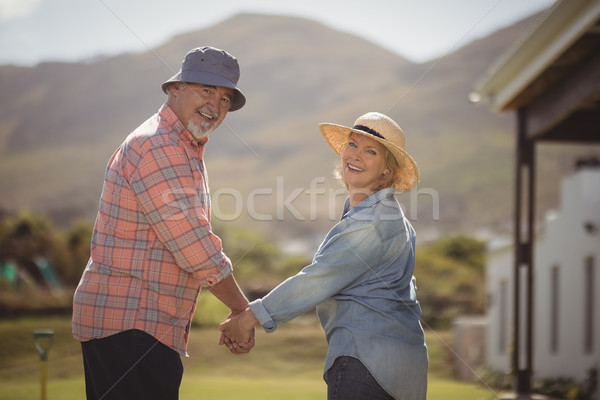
560, 27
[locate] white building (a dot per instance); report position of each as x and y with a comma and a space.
566, 288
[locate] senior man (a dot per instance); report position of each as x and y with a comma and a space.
153, 248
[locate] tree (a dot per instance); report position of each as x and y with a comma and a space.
450, 279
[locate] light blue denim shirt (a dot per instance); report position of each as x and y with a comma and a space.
361, 282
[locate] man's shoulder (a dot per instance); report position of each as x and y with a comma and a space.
151, 133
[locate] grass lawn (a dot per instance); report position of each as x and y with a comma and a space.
284, 365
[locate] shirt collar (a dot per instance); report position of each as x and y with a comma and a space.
166, 114
368, 202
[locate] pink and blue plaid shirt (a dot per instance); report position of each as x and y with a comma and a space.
153, 248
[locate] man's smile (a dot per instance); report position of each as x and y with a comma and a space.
208, 115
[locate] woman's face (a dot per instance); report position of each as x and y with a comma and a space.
363, 164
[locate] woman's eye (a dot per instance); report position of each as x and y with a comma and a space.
351, 144
372, 152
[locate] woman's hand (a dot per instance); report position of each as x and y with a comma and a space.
237, 331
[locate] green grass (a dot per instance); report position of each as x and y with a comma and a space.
284, 365
250, 388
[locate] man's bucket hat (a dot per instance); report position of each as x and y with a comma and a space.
213, 67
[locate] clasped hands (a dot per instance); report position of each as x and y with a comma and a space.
237, 331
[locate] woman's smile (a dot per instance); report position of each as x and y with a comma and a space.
354, 168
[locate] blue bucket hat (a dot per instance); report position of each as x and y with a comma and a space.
210, 66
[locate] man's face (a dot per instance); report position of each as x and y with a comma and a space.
200, 108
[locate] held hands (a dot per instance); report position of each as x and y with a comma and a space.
237, 332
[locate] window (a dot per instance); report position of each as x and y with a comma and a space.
502, 313
554, 309
588, 306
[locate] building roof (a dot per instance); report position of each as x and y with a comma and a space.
554, 72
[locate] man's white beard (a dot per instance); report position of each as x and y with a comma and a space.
199, 131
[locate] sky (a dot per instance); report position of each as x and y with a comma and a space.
32, 31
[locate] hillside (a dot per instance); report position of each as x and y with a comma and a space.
60, 122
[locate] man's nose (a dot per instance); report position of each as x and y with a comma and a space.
213, 102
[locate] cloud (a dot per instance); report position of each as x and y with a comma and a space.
32, 31
12, 9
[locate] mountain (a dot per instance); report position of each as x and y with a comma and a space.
60, 122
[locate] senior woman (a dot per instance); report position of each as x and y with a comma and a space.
361, 278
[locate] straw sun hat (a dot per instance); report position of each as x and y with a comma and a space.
384, 130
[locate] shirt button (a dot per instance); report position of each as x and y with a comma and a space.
270, 326
211, 280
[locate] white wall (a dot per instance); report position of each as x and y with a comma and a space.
564, 244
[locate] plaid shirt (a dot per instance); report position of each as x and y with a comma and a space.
152, 248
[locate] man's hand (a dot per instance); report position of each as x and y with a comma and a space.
237, 348
237, 332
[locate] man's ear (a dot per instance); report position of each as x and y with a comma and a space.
177, 86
